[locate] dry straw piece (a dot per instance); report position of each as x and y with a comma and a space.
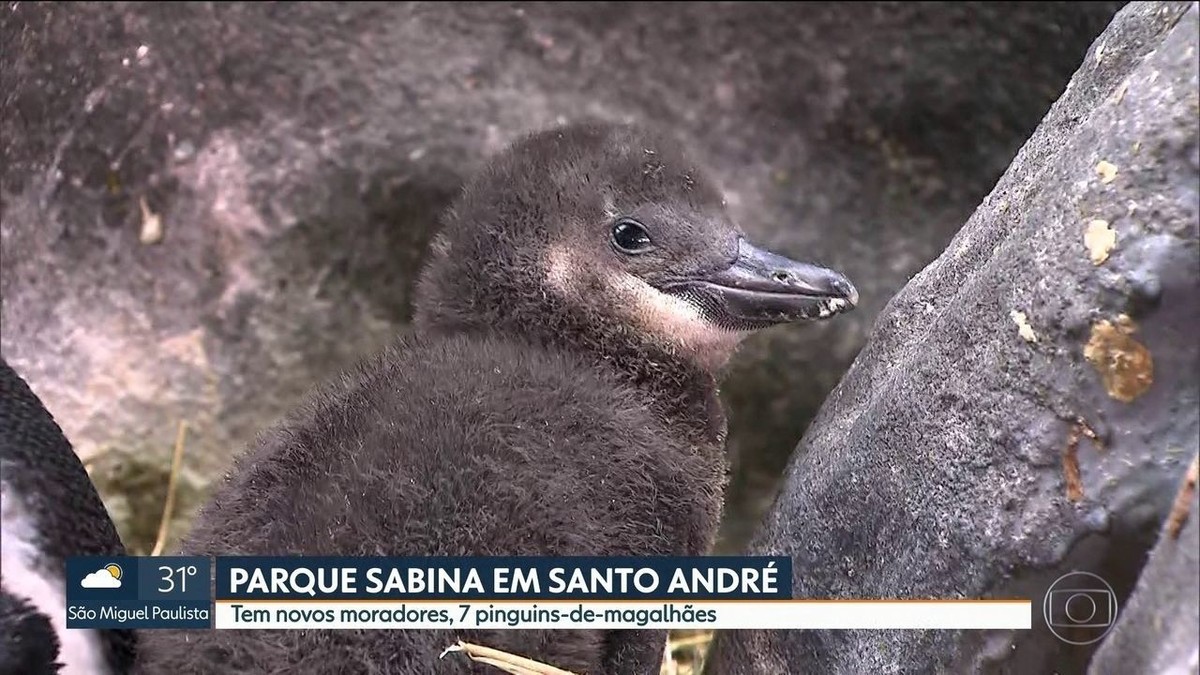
172, 487
509, 663
1183, 500
520, 665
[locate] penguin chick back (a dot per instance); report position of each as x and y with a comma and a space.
447, 447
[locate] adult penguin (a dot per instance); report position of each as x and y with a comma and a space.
49, 511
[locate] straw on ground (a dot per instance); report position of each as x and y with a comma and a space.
695, 645
164, 525
509, 663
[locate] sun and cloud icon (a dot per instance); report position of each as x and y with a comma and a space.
108, 576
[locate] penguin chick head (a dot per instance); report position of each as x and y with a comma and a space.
610, 235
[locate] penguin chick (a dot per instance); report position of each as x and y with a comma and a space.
557, 397
49, 511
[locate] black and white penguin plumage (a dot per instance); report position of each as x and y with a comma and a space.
49, 511
557, 396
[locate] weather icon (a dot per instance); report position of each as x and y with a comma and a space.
108, 576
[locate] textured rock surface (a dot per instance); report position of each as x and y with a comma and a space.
943, 465
1157, 629
296, 156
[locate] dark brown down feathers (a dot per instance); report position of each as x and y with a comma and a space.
525, 414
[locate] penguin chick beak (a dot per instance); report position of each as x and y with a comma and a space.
761, 288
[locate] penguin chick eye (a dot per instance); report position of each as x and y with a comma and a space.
630, 236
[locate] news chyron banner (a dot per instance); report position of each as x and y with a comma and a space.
711, 593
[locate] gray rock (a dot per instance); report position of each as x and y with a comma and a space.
1157, 632
295, 157
942, 464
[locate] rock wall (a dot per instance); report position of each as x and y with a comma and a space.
1028, 404
1156, 631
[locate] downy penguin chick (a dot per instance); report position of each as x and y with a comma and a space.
557, 397
49, 511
